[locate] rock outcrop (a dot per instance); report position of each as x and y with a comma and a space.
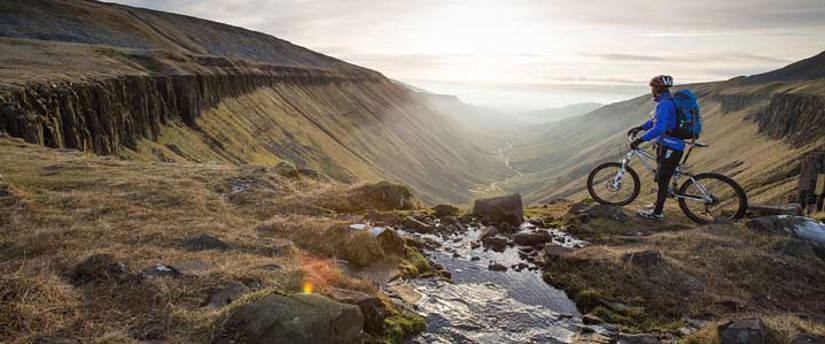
500, 209
272, 319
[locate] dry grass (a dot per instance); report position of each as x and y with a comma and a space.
67, 206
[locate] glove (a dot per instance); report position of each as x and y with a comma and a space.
634, 131
635, 144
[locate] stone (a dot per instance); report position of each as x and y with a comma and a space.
745, 331
556, 252
586, 212
500, 209
757, 210
226, 295
531, 238
625, 338
495, 266
444, 210
391, 243
496, 243
416, 225
590, 319
158, 271
644, 258
204, 241
100, 267
297, 318
286, 169
488, 231
373, 310
386, 196
794, 226
805, 338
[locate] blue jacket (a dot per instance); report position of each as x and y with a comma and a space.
664, 119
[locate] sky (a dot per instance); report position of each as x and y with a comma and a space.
521, 55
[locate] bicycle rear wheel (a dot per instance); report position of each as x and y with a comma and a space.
606, 186
712, 198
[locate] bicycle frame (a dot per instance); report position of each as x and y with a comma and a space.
644, 157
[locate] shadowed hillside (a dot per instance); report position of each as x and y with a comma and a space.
757, 128
149, 85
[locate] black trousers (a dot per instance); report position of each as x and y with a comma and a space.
668, 160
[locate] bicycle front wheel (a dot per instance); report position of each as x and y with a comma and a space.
712, 198
607, 184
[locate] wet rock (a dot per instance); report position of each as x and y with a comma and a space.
500, 209
286, 169
590, 319
391, 243
644, 258
745, 331
506, 227
794, 226
488, 231
416, 225
224, 296
444, 210
495, 266
373, 310
272, 319
625, 338
496, 243
804, 338
203, 242
475, 258
99, 267
757, 210
475, 245
531, 238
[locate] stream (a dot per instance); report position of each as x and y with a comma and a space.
482, 305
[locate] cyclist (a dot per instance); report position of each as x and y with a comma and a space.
668, 149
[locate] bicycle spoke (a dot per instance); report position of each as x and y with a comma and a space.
610, 188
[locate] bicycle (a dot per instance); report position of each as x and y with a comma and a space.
719, 198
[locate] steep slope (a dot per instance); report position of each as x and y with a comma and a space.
757, 127
557, 114
149, 85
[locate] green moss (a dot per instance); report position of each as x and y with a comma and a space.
588, 299
401, 326
414, 265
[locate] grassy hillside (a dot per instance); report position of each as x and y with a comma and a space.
757, 128
148, 85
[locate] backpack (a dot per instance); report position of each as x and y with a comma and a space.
688, 116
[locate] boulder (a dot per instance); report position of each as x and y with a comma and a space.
496, 243
644, 258
100, 267
225, 295
500, 209
286, 169
373, 310
298, 318
417, 226
203, 242
391, 243
385, 196
745, 331
531, 238
794, 226
555, 252
443, 210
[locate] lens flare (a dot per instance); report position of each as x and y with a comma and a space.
308, 287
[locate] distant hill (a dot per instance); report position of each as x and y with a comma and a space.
155, 86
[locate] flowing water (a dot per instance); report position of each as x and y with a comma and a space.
484, 306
